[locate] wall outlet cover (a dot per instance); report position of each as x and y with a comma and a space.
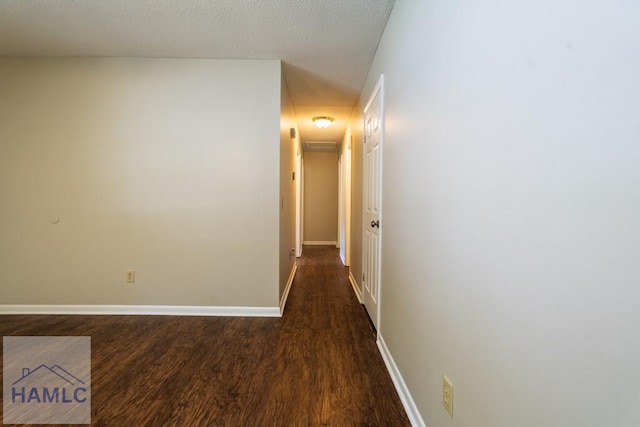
447, 395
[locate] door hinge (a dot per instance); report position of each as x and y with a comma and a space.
363, 277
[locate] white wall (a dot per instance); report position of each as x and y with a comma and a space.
169, 167
511, 209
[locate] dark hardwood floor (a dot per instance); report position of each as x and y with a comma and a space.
316, 366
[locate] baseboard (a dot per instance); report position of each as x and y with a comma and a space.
355, 287
285, 294
159, 310
320, 243
405, 396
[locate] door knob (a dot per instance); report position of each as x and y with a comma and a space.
375, 224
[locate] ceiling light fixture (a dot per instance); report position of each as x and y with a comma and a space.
322, 121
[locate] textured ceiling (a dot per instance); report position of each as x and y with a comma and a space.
326, 45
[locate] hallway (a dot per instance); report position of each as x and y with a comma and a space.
316, 366
330, 367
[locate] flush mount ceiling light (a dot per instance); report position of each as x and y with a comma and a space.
322, 121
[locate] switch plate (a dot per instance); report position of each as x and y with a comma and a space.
131, 276
447, 395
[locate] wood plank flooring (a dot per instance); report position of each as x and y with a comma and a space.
318, 365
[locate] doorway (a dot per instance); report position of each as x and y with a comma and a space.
344, 214
321, 199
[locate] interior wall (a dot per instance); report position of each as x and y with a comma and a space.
356, 125
321, 197
289, 148
511, 198
168, 167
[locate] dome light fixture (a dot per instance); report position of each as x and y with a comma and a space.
322, 121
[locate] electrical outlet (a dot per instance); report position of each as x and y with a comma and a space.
447, 395
131, 276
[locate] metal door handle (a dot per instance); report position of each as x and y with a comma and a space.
375, 224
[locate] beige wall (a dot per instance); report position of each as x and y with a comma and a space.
168, 167
511, 206
357, 131
321, 197
288, 149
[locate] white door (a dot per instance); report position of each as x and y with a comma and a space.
345, 201
372, 199
299, 202
341, 230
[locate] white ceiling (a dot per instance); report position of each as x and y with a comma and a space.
326, 45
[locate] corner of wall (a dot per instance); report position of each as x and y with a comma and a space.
289, 146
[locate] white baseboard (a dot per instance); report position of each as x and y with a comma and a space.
285, 294
355, 287
405, 396
159, 310
320, 243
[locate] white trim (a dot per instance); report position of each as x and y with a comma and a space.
405, 396
285, 294
321, 243
356, 288
160, 310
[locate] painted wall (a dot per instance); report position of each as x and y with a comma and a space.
511, 209
321, 196
168, 167
289, 148
356, 127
